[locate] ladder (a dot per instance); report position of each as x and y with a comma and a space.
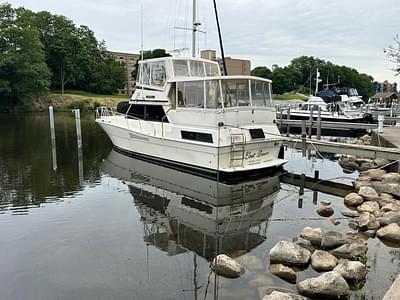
238, 144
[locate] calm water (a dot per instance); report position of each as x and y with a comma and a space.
111, 227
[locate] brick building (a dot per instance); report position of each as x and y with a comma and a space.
234, 66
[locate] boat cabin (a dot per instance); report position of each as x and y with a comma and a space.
197, 83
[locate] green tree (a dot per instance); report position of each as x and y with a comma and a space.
23, 71
262, 72
285, 79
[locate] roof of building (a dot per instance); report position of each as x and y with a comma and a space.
384, 95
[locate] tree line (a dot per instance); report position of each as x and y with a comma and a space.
300, 75
41, 51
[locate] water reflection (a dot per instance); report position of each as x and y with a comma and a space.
28, 174
183, 212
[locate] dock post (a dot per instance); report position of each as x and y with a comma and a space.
303, 138
315, 193
311, 123
288, 118
53, 138
381, 119
319, 124
281, 120
79, 143
301, 191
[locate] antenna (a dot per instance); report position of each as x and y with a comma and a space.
141, 51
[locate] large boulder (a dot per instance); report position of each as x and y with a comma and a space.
374, 174
348, 165
360, 183
330, 284
390, 217
390, 232
289, 254
367, 221
368, 193
353, 271
226, 266
323, 261
314, 235
387, 188
367, 166
332, 239
278, 295
283, 272
353, 199
369, 206
391, 178
350, 251
391, 207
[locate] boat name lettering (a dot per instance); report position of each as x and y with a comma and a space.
250, 154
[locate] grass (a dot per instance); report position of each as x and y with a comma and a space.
292, 96
77, 99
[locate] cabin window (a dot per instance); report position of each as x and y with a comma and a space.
257, 133
260, 94
190, 94
197, 136
145, 74
181, 68
213, 94
148, 112
197, 68
158, 73
212, 69
236, 93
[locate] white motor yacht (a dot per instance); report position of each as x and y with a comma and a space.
185, 114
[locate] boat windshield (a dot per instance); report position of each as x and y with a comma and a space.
195, 68
218, 93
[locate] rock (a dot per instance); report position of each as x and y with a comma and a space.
367, 221
390, 232
360, 183
350, 214
277, 295
374, 174
387, 188
369, 206
380, 162
365, 160
385, 196
353, 199
353, 271
353, 224
283, 272
348, 165
367, 166
289, 254
225, 266
356, 237
303, 243
390, 217
323, 261
391, 207
334, 221
391, 178
325, 203
314, 235
350, 251
332, 239
325, 211
368, 193
393, 188
364, 178
330, 284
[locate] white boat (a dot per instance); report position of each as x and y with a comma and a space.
186, 114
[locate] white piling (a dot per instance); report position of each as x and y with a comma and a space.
53, 138
79, 143
381, 119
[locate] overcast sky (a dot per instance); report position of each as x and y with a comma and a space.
345, 32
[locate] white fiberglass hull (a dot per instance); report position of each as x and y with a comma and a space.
260, 154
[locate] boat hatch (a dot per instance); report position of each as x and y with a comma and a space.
257, 133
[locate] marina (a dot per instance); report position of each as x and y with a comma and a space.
131, 214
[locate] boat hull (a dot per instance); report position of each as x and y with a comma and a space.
199, 158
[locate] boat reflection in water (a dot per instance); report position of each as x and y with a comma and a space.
183, 212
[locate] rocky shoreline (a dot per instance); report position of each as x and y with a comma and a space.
373, 212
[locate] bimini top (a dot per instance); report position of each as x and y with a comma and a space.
155, 73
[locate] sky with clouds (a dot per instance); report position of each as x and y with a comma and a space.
345, 32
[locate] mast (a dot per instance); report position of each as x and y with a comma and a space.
316, 83
194, 29
220, 38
